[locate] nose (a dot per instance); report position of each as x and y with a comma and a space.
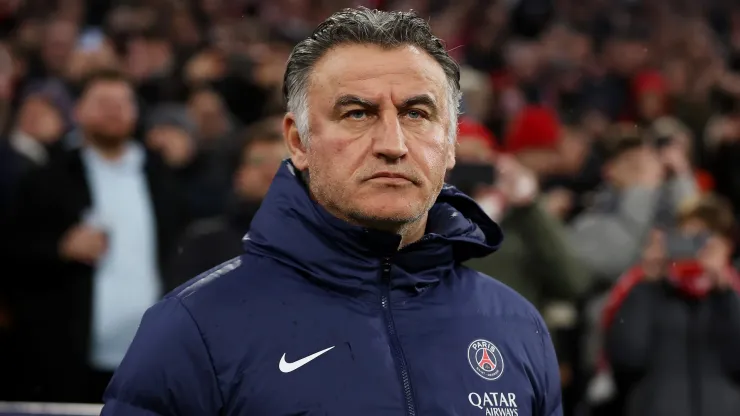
390, 141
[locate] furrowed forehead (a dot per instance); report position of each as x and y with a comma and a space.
369, 71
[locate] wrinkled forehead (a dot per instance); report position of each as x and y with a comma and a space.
377, 74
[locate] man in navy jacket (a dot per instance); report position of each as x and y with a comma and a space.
351, 297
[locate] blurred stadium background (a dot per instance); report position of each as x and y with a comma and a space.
623, 112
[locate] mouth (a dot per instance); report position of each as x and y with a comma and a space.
391, 178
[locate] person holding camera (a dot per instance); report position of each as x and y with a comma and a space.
645, 182
536, 260
673, 321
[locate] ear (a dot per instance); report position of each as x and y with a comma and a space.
451, 148
298, 154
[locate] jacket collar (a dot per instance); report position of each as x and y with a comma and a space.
293, 229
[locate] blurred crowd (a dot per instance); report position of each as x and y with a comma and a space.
137, 138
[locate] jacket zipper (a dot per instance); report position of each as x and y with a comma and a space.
395, 344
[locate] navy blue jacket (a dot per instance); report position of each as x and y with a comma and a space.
319, 317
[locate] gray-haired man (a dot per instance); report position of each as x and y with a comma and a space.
351, 297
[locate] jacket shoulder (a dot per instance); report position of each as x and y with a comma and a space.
502, 300
241, 282
209, 279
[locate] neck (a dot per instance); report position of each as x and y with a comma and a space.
410, 232
110, 151
413, 232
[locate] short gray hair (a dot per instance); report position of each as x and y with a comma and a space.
364, 26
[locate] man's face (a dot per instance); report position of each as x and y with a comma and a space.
58, 45
107, 111
623, 170
715, 244
261, 161
650, 105
208, 111
378, 149
41, 120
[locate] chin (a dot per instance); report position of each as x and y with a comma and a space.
397, 211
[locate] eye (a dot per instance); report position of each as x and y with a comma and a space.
415, 114
356, 114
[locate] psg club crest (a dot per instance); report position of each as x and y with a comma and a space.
485, 359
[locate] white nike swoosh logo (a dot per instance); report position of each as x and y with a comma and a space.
287, 367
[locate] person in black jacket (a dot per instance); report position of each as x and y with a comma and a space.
88, 235
210, 242
674, 340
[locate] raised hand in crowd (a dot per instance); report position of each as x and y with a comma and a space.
517, 183
675, 159
515, 186
558, 202
713, 258
176, 148
83, 243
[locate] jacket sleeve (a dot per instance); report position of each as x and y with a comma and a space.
167, 370
562, 273
628, 337
550, 400
548, 394
725, 325
34, 228
609, 243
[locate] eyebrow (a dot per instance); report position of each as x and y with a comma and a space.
349, 100
421, 99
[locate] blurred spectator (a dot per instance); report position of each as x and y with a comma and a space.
534, 136
58, 42
38, 129
209, 242
644, 185
94, 225
722, 139
536, 259
171, 133
548, 83
213, 119
649, 94
477, 93
639, 180
673, 338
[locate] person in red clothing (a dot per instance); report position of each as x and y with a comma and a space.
533, 135
475, 141
674, 320
650, 97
